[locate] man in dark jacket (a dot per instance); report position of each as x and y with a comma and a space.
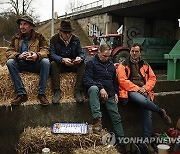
67, 56
101, 83
28, 51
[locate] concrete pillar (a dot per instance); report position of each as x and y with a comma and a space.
133, 27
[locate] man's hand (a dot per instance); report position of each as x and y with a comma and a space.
67, 61
142, 91
77, 60
32, 56
103, 94
23, 55
116, 98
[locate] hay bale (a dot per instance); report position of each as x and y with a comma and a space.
31, 81
33, 140
3, 55
98, 150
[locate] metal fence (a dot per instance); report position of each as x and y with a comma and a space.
93, 6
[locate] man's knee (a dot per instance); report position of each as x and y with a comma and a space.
45, 61
10, 62
54, 64
93, 89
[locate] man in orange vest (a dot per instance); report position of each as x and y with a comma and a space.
136, 81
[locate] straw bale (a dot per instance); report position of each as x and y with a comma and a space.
97, 150
31, 81
3, 55
33, 140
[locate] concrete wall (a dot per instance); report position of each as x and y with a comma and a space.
99, 24
133, 27
140, 27
164, 29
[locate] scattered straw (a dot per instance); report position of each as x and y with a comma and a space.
97, 150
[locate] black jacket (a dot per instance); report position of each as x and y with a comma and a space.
59, 50
102, 75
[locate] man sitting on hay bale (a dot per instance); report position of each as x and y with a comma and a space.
28, 51
101, 83
67, 56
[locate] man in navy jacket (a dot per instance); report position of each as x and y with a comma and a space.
66, 55
101, 82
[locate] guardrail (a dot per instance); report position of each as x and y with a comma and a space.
88, 6
92, 6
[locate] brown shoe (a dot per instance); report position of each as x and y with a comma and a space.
19, 99
97, 126
43, 99
165, 117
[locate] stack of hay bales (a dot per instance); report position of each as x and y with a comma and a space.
31, 82
33, 140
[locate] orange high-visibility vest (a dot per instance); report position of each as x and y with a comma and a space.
125, 85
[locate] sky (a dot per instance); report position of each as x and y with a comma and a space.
44, 7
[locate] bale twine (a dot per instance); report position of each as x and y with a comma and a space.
33, 140
31, 82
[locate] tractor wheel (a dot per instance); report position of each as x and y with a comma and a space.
120, 56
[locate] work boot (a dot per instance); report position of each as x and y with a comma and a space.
43, 99
164, 116
78, 96
19, 99
56, 96
97, 126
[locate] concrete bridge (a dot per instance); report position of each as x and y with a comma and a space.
140, 18
157, 9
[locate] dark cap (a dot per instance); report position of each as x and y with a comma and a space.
66, 26
26, 18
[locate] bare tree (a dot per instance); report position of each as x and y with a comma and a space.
17, 6
10, 10
73, 4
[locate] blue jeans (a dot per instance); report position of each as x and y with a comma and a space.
42, 67
148, 106
111, 106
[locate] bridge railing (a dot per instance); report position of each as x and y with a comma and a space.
113, 2
87, 7
92, 6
